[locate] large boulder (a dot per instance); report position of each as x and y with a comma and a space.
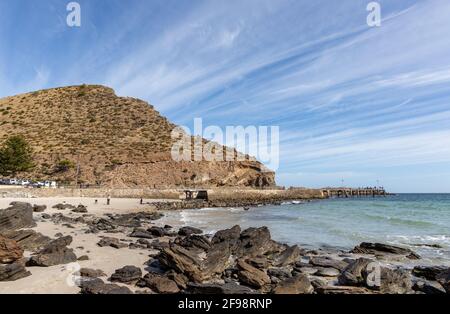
28, 239
355, 274
54, 253
288, 256
195, 241
13, 272
183, 261
18, 215
298, 284
127, 274
252, 276
159, 284
255, 241
10, 251
97, 286
380, 249
230, 236
395, 281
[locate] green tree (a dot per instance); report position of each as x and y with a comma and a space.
16, 155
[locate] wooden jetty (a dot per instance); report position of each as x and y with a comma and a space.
354, 192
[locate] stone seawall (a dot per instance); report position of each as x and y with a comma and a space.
219, 194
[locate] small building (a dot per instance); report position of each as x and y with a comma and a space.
196, 195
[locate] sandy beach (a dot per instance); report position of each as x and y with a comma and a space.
57, 279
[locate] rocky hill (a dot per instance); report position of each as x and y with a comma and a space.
87, 134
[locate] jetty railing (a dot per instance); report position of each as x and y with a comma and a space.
354, 192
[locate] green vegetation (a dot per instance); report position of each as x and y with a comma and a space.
16, 155
64, 165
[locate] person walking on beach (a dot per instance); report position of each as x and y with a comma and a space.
142, 201
108, 200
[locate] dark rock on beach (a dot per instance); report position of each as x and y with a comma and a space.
187, 231
355, 274
112, 242
159, 284
127, 274
39, 208
18, 215
13, 272
63, 206
28, 239
98, 286
54, 253
141, 233
10, 251
80, 209
252, 276
91, 273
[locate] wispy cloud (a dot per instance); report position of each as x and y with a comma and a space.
346, 97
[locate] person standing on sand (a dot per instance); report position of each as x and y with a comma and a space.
108, 200
142, 201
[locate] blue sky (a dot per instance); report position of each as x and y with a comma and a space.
352, 102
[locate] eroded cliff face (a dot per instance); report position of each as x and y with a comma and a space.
113, 141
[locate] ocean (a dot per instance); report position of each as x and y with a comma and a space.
420, 222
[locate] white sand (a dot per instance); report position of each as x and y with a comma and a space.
55, 279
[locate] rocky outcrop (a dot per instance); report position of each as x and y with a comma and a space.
10, 251
252, 276
54, 253
298, 284
18, 215
355, 274
379, 249
28, 239
13, 272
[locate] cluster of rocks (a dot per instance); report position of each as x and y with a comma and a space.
15, 238
233, 261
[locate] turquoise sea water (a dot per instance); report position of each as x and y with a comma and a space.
412, 220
